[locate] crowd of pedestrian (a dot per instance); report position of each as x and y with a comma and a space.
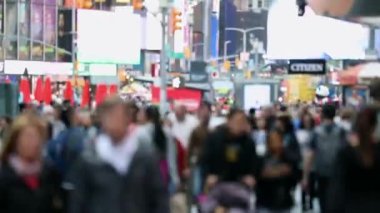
124, 158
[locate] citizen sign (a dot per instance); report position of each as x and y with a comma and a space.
307, 67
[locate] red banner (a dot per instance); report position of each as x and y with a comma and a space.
187, 97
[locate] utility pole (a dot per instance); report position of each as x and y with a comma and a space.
74, 38
163, 59
206, 23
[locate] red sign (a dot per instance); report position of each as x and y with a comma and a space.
187, 97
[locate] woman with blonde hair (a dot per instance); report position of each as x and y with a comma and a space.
26, 184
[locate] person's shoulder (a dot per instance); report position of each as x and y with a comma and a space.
6, 172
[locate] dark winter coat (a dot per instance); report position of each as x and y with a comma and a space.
99, 188
17, 197
230, 158
355, 187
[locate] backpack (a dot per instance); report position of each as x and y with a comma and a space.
64, 150
328, 143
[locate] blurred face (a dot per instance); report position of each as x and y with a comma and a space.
29, 144
261, 123
275, 143
180, 113
3, 122
239, 124
86, 120
279, 125
307, 120
141, 117
114, 123
204, 113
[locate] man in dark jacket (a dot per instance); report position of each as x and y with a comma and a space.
120, 172
230, 154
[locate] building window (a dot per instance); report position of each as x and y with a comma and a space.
10, 43
24, 30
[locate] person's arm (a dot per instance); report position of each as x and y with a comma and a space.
77, 188
209, 162
172, 159
3, 195
157, 192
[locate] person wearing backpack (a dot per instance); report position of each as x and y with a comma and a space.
328, 139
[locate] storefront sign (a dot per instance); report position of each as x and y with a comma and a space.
37, 68
312, 67
198, 72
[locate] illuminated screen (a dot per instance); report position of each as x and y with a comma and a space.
109, 37
256, 96
312, 36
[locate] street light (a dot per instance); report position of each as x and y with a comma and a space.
245, 32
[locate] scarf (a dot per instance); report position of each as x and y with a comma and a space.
29, 172
120, 155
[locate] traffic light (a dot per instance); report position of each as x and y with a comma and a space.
227, 65
248, 74
137, 4
85, 4
175, 20
76, 68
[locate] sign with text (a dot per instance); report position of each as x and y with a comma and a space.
198, 72
312, 67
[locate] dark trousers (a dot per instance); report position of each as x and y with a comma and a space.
309, 194
323, 187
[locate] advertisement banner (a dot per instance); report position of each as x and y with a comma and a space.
24, 26
311, 67
198, 72
50, 28
123, 46
11, 30
179, 35
37, 28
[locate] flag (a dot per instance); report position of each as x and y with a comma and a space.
85, 95
47, 92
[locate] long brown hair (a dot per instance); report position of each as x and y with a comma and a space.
364, 127
20, 124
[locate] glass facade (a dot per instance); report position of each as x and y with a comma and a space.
29, 29
1, 30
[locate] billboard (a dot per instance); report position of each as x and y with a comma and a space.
1, 28
11, 30
24, 30
309, 67
102, 42
50, 20
312, 36
257, 96
37, 28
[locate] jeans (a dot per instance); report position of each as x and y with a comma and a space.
196, 181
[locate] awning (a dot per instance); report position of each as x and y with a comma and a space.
349, 76
360, 74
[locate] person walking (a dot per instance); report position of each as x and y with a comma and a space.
120, 173
328, 139
277, 178
27, 183
355, 185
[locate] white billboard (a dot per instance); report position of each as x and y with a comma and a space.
312, 36
109, 37
256, 96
